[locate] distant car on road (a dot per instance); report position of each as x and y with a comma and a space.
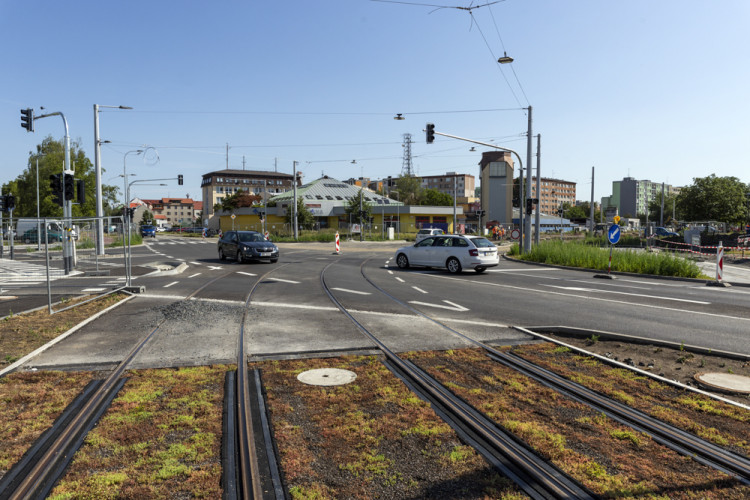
424, 233
30, 236
147, 230
247, 245
663, 231
453, 251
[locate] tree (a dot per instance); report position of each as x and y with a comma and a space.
654, 208
435, 198
237, 200
352, 207
50, 154
714, 199
147, 218
305, 218
409, 188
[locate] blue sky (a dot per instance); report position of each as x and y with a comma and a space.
653, 90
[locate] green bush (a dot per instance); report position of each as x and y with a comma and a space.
586, 256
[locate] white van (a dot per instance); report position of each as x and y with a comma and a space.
424, 233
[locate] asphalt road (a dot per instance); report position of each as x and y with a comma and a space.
290, 315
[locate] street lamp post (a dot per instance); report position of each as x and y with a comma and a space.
98, 171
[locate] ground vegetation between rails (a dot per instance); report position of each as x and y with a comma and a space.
29, 404
161, 438
610, 459
21, 334
372, 438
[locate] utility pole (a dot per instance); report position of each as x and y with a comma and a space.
661, 217
538, 184
454, 203
294, 205
527, 225
591, 208
227, 156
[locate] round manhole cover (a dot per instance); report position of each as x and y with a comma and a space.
727, 382
327, 376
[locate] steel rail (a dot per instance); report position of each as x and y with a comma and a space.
532, 473
676, 439
47, 469
250, 484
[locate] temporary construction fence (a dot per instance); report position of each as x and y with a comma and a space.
33, 264
711, 250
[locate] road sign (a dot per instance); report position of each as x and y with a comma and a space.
613, 234
515, 234
234, 216
616, 219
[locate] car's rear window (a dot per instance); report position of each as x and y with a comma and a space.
251, 237
482, 242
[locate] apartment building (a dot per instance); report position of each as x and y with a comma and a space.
215, 186
553, 193
463, 184
630, 196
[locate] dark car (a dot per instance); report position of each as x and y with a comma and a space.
247, 245
148, 231
30, 236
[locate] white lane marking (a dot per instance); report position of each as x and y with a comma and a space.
524, 269
588, 282
351, 291
452, 307
284, 281
173, 283
399, 279
215, 268
246, 274
194, 275
599, 290
418, 289
87, 290
195, 263
589, 297
390, 272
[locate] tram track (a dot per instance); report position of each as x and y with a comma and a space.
42, 466
676, 439
533, 474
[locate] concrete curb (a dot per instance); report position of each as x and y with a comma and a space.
60, 338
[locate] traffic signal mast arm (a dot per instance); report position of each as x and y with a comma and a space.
520, 162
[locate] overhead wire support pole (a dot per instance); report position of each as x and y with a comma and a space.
538, 186
527, 222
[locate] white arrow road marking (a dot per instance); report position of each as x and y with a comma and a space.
351, 291
418, 289
173, 283
599, 290
194, 275
284, 281
453, 306
246, 274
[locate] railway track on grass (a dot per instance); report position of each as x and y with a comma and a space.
535, 475
245, 475
676, 439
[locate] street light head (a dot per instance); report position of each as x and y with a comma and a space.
124, 107
505, 59
399, 116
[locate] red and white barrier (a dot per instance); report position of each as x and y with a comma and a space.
265, 235
338, 246
719, 263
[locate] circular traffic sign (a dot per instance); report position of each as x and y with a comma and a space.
515, 234
613, 234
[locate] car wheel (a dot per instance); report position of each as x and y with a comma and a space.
221, 254
402, 261
453, 265
238, 257
480, 269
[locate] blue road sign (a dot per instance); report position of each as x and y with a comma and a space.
613, 234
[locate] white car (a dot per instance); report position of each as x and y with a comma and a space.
425, 233
454, 252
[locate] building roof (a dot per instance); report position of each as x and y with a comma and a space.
335, 191
253, 173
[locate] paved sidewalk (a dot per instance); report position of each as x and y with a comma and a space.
732, 273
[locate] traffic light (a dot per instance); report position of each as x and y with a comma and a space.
27, 119
516, 202
10, 202
179, 179
81, 191
529, 206
70, 188
55, 183
430, 133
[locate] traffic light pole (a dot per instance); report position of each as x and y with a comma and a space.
520, 164
67, 204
